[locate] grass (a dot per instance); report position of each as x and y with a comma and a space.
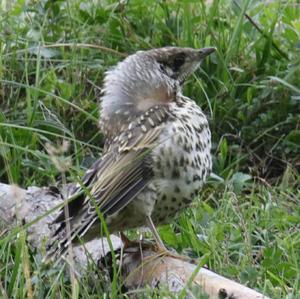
246, 220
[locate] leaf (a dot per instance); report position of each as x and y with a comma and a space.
294, 137
44, 52
286, 84
168, 235
65, 89
238, 181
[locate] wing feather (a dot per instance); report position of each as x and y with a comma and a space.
115, 179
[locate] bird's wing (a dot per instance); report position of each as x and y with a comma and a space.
118, 177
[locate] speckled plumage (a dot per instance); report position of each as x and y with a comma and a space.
157, 151
180, 162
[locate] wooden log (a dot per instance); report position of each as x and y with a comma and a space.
140, 268
150, 269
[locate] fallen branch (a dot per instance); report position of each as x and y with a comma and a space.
140, 268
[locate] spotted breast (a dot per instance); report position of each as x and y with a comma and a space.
180, 161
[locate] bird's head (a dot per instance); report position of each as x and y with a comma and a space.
148, 78
175, 63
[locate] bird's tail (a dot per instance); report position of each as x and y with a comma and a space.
57, 245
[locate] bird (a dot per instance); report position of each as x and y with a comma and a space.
156, 155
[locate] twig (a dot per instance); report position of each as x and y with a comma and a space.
256, 26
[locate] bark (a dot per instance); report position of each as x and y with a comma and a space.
140, 267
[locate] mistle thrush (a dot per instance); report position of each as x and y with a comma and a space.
157, 151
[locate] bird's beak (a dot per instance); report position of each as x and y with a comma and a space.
206, 51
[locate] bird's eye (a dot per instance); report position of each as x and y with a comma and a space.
162, 68
178, 61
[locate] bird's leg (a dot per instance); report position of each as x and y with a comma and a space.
161, 246
126, 242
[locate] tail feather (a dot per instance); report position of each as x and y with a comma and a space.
59, 241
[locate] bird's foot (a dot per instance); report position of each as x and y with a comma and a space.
126, 242
159, 248
135, 244
165, 252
